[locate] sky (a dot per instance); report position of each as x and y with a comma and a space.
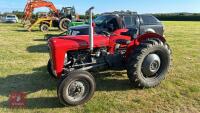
140, 6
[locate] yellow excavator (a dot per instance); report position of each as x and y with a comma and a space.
62, 19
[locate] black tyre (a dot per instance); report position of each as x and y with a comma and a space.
49, 69
64, 24
149, 63
44, 27
76, 88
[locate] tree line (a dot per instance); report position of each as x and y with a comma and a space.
178, 16
161, 16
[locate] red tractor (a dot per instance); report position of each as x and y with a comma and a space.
146, 58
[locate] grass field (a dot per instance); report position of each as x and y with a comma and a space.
23, 58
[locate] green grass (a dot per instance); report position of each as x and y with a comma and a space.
23, 58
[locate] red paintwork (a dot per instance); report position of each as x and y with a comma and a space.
61, 45
115, 36
119, 31
139, 39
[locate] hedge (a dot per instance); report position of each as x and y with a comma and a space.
178, 17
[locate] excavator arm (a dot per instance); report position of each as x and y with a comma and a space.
32, 4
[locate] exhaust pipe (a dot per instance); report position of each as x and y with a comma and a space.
91, 30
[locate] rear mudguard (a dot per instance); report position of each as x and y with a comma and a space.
139, 40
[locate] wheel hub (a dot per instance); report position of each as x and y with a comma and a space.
151, 65
77, 90
45, 28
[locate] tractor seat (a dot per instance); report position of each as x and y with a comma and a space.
131, 32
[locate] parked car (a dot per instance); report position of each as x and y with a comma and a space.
118, 20
110, 22
11, 19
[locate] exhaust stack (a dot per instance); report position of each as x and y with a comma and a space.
91, 30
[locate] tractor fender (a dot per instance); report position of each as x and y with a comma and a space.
140, 39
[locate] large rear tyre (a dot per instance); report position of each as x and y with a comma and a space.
64, 24
76, 88
149, 63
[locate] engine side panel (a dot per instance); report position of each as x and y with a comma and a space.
60, 46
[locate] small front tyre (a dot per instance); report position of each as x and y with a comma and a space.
76, 88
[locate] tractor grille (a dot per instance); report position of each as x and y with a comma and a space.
50, 53
51, 58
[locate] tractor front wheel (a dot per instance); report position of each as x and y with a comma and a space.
44, 27
76, 88
149, 63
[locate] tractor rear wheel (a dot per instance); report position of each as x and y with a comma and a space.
149, 63
76, 88
64, 24
44, 27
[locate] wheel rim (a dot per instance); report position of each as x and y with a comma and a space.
45, 28
77, 90
151, 65
65, 24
